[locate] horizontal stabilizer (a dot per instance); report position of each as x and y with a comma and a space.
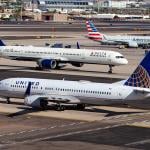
142, 90
120, 82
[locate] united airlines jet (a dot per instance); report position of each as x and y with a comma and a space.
128, 41
56, 58
38, 92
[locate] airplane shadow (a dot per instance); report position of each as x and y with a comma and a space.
92, 71
26, 110
22, 112
16, 68
34, 68
109, 113
63, 69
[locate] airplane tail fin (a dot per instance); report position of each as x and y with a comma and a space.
93, 33
2, 43
141, 76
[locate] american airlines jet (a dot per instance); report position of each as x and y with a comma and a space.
56, 58
129, 41
38, 92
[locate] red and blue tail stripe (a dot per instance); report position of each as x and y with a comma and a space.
93, 32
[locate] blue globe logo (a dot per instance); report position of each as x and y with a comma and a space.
140, 78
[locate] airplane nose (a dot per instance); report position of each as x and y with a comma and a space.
125, 62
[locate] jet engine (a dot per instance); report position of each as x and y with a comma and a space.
133, 44
76, 64
47, 63
36, 102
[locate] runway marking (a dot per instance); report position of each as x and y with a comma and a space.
143, 124
125, 116
60, 135
138, 142
40, 129
11, 143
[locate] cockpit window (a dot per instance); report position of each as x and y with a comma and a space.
119, 57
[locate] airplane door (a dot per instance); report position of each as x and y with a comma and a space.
82, 56
1, 52
121, 96
109, 58
7, 85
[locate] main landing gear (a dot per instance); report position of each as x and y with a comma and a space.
110, 69
80, 106
8, 100
59, 107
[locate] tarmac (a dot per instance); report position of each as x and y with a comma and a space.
97, 127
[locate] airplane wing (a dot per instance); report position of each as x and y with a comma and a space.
120, 41
35, 99
62, 99
130, 43
62, 59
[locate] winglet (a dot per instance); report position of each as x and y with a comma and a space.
2, 43
78, 46
28, 90
141, 76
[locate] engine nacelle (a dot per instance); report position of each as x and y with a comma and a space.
133, 44
47, 63
76, 64
35, 101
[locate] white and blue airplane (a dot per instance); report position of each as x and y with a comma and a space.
129, 41
56, 58
39, 92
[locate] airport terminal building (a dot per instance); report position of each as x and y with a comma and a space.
67, 4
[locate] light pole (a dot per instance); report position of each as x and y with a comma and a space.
21, 10
98, 5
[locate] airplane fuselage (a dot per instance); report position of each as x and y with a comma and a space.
127, 40
87, 92
138, 39
62, 55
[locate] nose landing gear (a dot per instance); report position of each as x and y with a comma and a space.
110, 69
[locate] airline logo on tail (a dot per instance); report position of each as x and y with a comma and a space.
93, 32
141, 76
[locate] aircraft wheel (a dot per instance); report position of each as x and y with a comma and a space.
8, 101
80, 106
60, 108
110, 69
38, 68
